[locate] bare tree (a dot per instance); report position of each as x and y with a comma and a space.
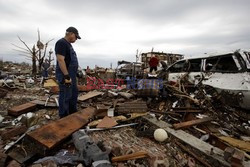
29, 53
41, 47
35, 54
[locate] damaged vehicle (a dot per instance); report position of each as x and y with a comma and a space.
127, 69
228, 74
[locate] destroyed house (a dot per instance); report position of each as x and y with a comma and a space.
169, 58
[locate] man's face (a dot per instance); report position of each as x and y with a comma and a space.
72, 37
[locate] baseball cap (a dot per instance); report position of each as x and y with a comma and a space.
74, 30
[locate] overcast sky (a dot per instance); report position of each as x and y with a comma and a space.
113, 30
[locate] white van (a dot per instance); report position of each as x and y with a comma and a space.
227, 73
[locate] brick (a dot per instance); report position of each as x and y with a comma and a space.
54, 89
82, 88
13, 132
132, 107
238, 158
3, 93
116, 149
21, 109
120, 165
228, 153
14, 163
101, 111
3, 158
54, 133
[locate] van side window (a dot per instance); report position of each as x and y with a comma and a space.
177, 67
195, 65
247, 55
210, 64
221, 64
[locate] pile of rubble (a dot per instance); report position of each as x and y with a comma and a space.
118, 127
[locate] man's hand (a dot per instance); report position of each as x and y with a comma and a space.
67, 80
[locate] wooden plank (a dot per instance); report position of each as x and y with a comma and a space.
21, 109
191, 123
136, 155
13, 132
52, 134
50, 83
89, 95
241, 144
216, 159
81, 88
42, 102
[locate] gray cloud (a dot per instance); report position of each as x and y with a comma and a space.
114, 29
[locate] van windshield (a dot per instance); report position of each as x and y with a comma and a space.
178, 67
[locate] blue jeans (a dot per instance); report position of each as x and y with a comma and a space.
67, 95
45, 73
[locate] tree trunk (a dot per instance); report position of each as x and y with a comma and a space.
34, 71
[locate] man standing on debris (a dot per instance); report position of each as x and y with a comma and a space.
66, 72
45, 68
153, 63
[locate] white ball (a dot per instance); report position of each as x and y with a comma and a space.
160, 135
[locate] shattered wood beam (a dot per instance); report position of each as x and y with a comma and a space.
21, 109
188, 110
13, 132
216, 158
89, 95
54, 133
192, 123
136, 155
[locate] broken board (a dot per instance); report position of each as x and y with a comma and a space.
42, 102
89, 95
50, 83
191, 123
107, 122
7, 134
21, 109
243, 145
52, 134
82, 88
